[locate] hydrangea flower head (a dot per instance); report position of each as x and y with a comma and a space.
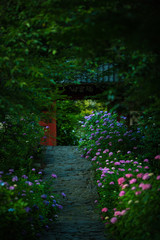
104, 209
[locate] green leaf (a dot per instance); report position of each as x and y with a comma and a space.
52, 81
28, 25
54, 52
22, 84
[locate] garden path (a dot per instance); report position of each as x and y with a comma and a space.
78, 219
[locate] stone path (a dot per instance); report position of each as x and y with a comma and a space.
77, 220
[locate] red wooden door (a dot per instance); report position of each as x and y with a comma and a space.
50, 133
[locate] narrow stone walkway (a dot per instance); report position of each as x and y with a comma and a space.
78, 219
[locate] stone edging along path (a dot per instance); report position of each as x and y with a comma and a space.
78, 219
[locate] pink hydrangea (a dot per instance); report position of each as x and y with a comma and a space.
146, 167
123, 212
121, 180
122, 161
135, 162
104, 209
145, 186
157, 157
105, 170
54, 175
122, 193
158, 177
117, 213
120, 140
113, 220
110, 154
129, 175
117, 163
106, 150
138, 192
140, 185
139, 175
111, 183
99, 184
102, 175
139, 166
128, 161
145, 176
145, 160
133, 180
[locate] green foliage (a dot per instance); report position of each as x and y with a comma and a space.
67, 117
140, 73
149, 145
27, 204
19, 139
95, 27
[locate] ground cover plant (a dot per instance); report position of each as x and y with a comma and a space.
127, 181
28, 206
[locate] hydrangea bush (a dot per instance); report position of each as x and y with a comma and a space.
127, 186
27, 205
102, 130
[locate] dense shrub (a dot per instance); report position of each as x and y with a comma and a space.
20, 141
128, 188
150, 142
67, 115
27, 204
102, 130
